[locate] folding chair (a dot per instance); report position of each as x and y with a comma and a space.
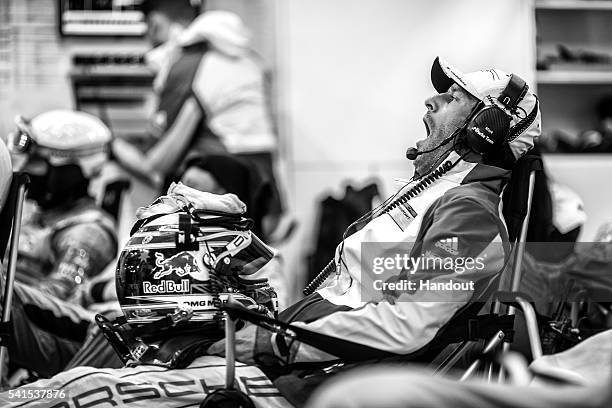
496, 328
519, 197
10, 226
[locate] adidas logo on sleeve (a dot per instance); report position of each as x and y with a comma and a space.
450, 245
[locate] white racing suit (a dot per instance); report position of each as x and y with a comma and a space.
146, 386
46, 333
60, 251
457, 216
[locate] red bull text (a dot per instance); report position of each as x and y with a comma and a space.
166, 286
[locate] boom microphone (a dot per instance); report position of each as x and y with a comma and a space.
412, 153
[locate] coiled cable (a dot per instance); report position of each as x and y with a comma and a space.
320, 278
418, 188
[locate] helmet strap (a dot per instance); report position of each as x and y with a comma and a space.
185, 239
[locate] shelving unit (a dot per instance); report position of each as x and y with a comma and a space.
569, 94
552, 77
573, 5
572, 86
116, 88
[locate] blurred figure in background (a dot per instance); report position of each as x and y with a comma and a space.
223, 173
65, 238
211, 95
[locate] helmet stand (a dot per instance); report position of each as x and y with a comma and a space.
230, 396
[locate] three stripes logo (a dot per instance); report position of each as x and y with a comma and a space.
450, 245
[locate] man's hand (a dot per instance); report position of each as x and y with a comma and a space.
245, 345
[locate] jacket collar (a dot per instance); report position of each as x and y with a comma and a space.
465, 172
495, 178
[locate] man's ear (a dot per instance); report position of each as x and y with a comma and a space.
460, 142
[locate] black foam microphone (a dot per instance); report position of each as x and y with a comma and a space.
412, 153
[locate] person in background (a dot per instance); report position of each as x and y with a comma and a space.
66, 239
211, 95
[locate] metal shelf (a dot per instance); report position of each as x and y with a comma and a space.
574, 77
573, 5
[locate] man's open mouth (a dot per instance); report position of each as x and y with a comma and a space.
426, 126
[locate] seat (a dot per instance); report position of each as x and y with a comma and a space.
10, 226
517, 197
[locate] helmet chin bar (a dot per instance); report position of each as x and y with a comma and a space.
126, 340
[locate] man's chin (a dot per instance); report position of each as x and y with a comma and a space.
418, 166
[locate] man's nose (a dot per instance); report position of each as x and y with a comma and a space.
431, 103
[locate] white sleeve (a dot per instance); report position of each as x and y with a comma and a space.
231, 91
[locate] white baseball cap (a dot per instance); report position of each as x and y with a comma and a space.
487, 85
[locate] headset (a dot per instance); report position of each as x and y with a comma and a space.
487, 127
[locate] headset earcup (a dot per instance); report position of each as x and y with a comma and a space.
487, 130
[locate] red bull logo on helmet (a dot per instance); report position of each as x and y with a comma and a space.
166, 286
181, 264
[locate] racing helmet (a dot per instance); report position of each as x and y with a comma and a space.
73, 145
64, 137
172, 277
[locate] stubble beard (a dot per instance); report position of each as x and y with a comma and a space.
433, 159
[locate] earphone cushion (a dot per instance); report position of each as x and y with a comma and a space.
487, 130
